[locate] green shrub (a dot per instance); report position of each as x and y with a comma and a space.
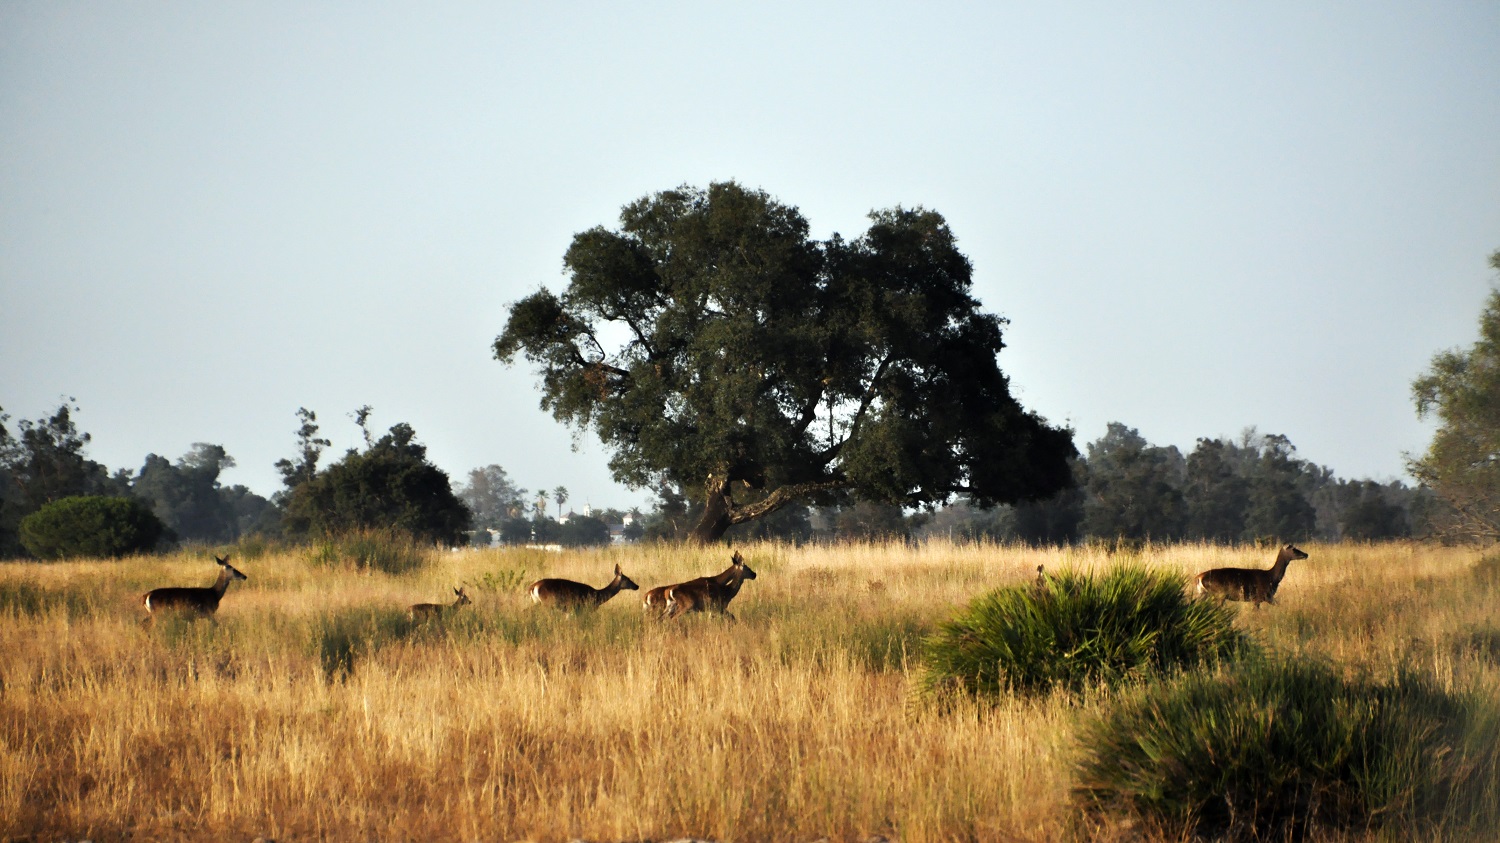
1074, 632
390, 551
1279, 749
90, 526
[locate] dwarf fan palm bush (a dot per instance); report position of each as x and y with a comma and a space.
1074, 631
1276, 749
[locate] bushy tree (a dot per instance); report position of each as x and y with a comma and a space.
760, 367
389, 485
491, 497
1217, 492
1134, 489
1462, 391
583, 531
90, 526
1371, 514
187, 496
45, 462
1278, 505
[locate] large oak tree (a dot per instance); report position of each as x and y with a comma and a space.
712, 345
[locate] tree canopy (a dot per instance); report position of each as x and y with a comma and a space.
1462, 391
712, 345
388, 485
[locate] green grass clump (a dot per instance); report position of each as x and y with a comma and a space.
387, 551
1074, 631
1267, 749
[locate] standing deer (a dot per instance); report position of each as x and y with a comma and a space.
198, 601
430, 611
569, 595
709, 594
1250, 585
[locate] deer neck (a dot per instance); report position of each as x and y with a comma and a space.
1279, 569
222, 583
602, 595
728, 581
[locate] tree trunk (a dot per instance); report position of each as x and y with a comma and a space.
716, 514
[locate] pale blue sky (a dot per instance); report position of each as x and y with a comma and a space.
1197, 216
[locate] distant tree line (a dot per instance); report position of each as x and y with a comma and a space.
1224, 491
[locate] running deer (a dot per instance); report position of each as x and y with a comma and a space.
655, 601
569, 595
709, 594
429, 611
1250, 585
198, 601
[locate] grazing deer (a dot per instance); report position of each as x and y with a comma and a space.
709, 594
198, 601
1250, 585
429, 611
569, 595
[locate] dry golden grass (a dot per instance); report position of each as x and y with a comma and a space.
310, 708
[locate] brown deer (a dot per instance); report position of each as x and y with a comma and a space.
655, 601
431, 611
709, 594
198, 601
569, 595
1250, 585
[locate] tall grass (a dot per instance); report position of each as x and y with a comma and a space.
310, 708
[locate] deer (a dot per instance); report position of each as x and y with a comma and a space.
1250, 585
569, 595
709, 594
202, 602
432, 611
655, 601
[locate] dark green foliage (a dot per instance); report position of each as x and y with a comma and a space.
391, 485
45, 462
1462, 465
1278, 501
1076, 632
1372, 515
90, 527
584, 531
760, 367
1134, 489
1279, 749
1217, 492
188, 499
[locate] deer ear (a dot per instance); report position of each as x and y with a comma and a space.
617, 569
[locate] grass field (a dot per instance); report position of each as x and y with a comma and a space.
312, 708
